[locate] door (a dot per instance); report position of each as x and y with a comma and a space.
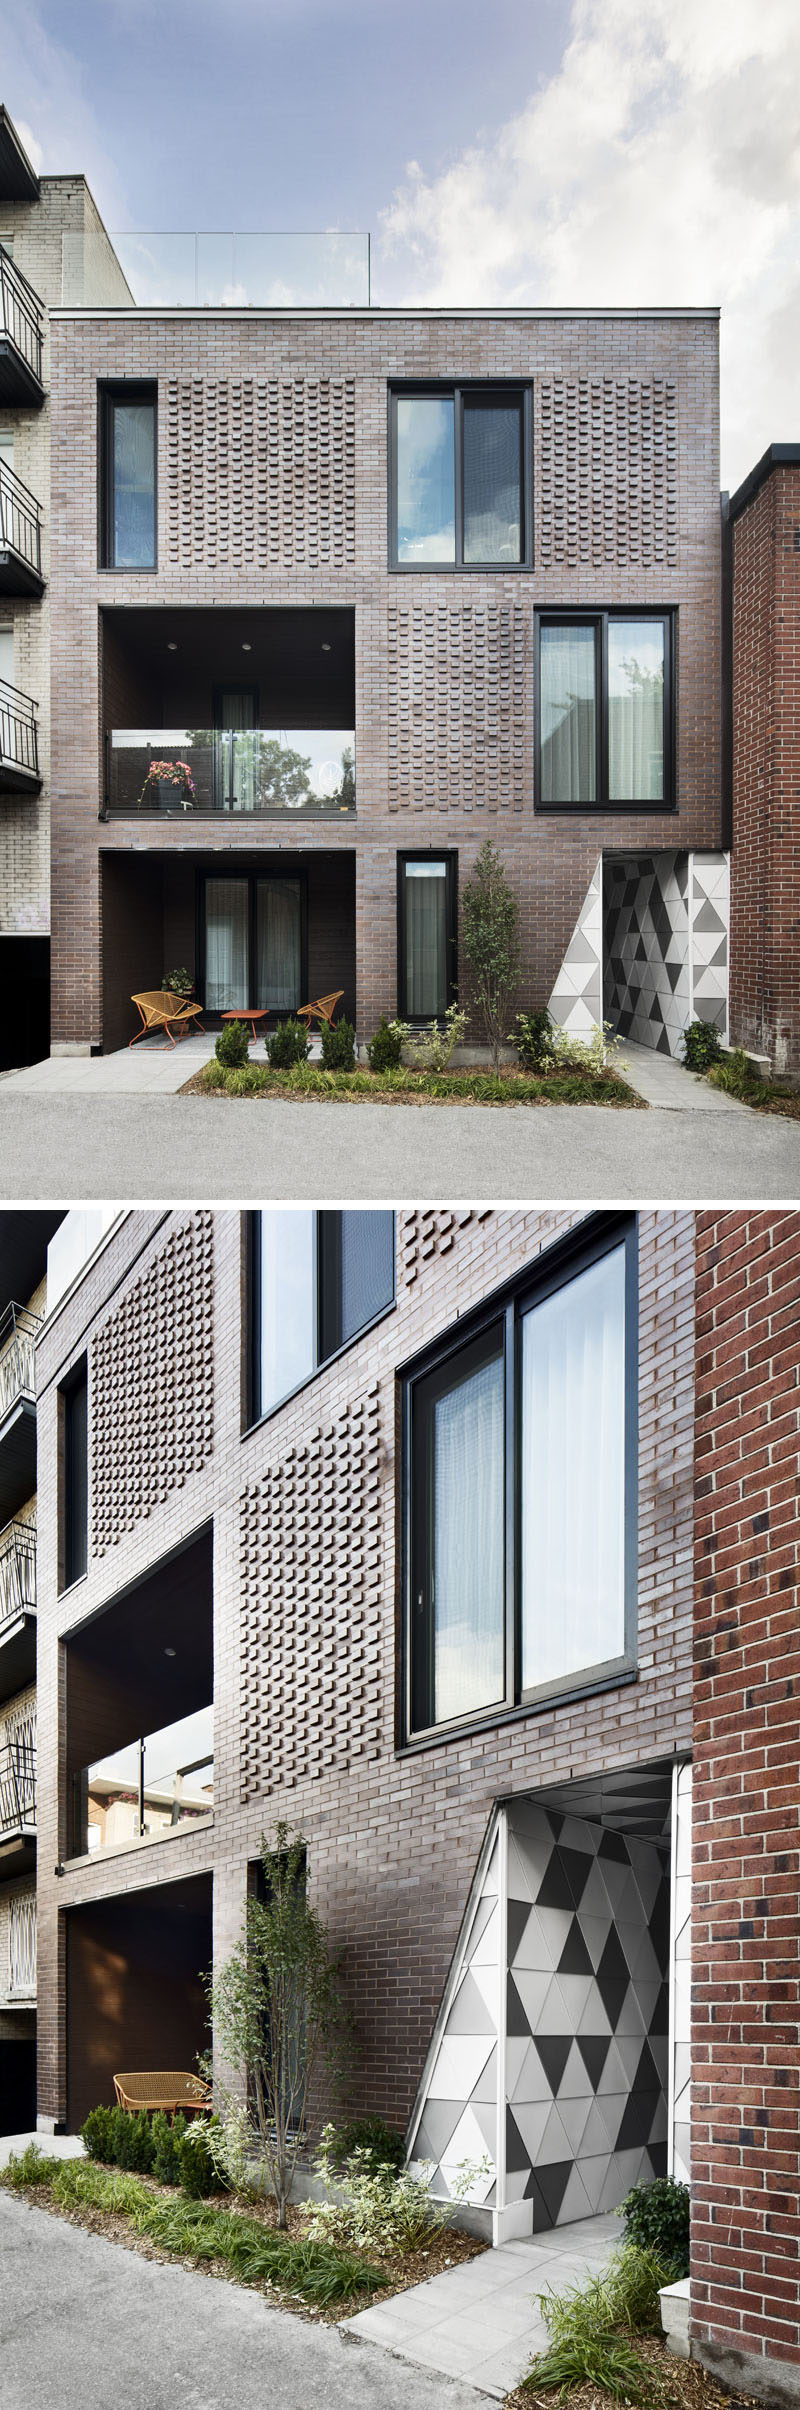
235, 712
279, 944
254, 944
227, 945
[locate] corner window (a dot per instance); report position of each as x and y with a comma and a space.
318, 1279
460, 495
75, 1488
128, 472
521, 1468
426, 935
605, 712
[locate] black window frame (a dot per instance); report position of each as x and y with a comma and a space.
108, 395
284, 868
325, 1233
665, 616
74, 1542
505, 1309
428, 853
497, 389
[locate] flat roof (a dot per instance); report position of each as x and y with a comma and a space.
367, 311
777, 456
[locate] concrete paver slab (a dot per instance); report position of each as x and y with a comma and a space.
483, 2317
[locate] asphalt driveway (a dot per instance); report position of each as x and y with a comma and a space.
154, 1148
85, 2323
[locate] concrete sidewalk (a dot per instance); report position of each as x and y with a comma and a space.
481, 2320
85, 2323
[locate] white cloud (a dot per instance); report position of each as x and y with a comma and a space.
658, 166
43, 86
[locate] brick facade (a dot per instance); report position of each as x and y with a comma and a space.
272, 480
746, 1719
765, 862
304, 1512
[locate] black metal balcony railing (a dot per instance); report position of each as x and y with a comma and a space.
17, 1784
20, 315
232, 770
22, 1947
20, 520
17, 1572
19, 738
19, 1330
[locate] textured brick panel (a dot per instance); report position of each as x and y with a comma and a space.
261, 472
310, 1587
608, 471
424, 1235
456, 677
152, 1385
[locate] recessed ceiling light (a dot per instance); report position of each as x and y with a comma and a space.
172, 648
247, 648
170, 1652
326, 648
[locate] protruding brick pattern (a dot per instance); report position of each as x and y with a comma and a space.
310, 1591
426, 1234
261, 471
152, 1385
608, 480
746, 1910
457, 678
765, 863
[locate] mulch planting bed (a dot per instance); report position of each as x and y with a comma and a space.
687, 2386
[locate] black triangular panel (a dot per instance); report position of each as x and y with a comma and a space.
517, 2155
553, 2183
554, 2050
659, 2022
613, 1846
575, 1959
613, 1961
518, 1912
577, 1864
647, 2077
594, 2049
637, 2119
517, 2024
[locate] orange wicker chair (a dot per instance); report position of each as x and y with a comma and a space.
169, 2088
158, 1007
322, 1009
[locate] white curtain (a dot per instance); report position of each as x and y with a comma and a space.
278, 937
568, 714
573, 1475
469, 1505
227, 967
635, 710
426, 939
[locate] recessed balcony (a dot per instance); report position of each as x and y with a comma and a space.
19, 742
17, 1608
297, 772
21, 385
17, 1799
20, 537
19, 1329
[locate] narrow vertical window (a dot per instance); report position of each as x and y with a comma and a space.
129, 473
76, 1477
426, 526
458, 1578
635, 710
318, 1279
427, 936
573, 1476
492, 480
568, 715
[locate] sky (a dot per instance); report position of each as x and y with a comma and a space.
636, 152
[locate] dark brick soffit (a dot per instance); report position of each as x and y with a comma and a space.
777, 456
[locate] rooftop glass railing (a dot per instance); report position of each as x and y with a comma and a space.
230, 770
153, 1785
225, 271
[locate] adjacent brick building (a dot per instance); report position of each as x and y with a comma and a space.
498, 1830
764, 517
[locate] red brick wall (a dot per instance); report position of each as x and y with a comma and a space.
765, 866
746, 1926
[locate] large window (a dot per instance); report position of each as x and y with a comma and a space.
128, 471
521, 1469
254, 943
75, 1490
460, 491
426, 934
605, 712
317, 1280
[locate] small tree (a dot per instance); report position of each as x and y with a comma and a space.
276, 2009
490, 926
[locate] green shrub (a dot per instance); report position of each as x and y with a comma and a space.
98, 2135
178, 982
609, 2362
31, 2167
133, 2141
167, 2139
231, 1045
380, 2144
433, 1048
533, 1037
657, 2220
287, 1045
586, 2345
198, 2174
701, 1045
338, 1046
385, 1049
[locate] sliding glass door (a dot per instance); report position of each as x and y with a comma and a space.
254, 944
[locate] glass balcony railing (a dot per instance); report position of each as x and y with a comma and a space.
19, 1331
222, 271
247, 770
163, 1780
17, 1572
